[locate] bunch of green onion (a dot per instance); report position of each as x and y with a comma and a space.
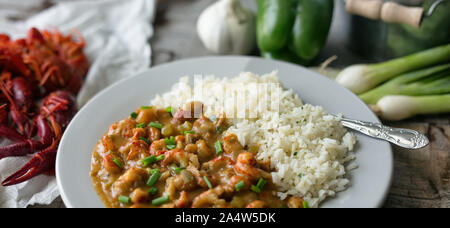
403, 87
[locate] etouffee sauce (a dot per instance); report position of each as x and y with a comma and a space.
156, 158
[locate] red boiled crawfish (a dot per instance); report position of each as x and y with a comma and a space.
56, 61
57, 110
45, 66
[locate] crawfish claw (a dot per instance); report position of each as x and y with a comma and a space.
26, 146
20, 148
41, 162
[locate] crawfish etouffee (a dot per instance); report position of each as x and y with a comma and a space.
155, 158
243, 141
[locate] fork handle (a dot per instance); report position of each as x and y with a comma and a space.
405, 138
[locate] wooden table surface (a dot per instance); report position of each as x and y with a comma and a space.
421, 177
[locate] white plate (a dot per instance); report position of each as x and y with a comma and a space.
369, 183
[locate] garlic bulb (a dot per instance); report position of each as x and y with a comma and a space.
226, 27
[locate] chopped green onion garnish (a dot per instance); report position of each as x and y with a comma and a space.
160, 200
153, 191
146, 107
240, 185
300, 175
295, 154
160, 157
155, 125
154, 178
305, 204
148, 160
207, 182
179, 169
218, 146
189, 132
171, 147
117, 162
169, 109
141, 125
170, 141
124, 199
145, 140
133, 115
152, 171
261, 183
255, 189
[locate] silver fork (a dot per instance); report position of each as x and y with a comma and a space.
402, 137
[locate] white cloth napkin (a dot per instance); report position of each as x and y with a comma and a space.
117, 34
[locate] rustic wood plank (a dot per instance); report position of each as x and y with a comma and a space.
421, 177
175, 31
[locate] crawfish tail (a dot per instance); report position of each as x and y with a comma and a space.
22, 121
22, 94
61, 105
20, 118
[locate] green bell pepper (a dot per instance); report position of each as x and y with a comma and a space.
284, 55
293, 30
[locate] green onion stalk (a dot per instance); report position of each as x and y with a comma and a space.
398, 107
430, 81
363, 77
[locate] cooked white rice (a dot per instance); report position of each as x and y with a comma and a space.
308, 148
